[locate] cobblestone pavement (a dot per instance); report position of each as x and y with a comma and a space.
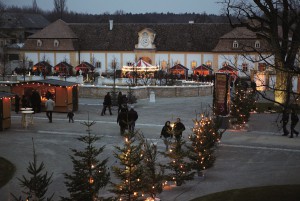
255, 157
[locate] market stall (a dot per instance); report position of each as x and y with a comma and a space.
63, 69
42, 67
179, 71
232, 71
85, 68
65, 94
203, 70
5, 110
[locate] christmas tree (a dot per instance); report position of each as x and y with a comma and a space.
179, 168
130, 169
241, 104
89, 173
206, 134
152, 178
131, 97
36, 186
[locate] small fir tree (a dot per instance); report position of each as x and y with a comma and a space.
206, 133
152, 177
36, 186
241, 105
89, 173
130, 169
131, 97
179, 168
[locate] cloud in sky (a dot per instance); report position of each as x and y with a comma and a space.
128, 6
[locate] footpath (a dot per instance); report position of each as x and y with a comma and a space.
257, 156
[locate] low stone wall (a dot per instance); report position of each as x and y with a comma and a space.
90, 91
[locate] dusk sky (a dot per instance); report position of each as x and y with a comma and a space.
133, 6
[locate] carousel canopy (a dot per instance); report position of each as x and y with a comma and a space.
85, 66
141, 65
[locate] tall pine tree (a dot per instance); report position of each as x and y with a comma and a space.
89, 173
129, 172
36, 186
206, 133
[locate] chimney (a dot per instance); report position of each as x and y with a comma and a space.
111, 23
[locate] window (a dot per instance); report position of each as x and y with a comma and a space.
39, 43
163, 64
245, 67
262, 67
208, 63
257, 44
98, 64
235, 44
56, 43
194, 64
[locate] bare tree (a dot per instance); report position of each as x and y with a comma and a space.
34, 6
278, 23
60, 7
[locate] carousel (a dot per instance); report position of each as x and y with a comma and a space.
140, 68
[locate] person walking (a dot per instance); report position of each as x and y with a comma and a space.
17, 104
106, 104
284, 121
166, 132
294, 121
50, 104
178, 129
132, 117
70, 115
120, 101
122, 120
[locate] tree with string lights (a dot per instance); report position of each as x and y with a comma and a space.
89, 173
129, 170
35, 187
152, 176
241, 105
178, 169
206, 134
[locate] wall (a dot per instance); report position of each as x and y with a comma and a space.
143, 92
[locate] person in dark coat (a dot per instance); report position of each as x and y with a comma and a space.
70, 115
122, 120
35, 100
178, 129
166, 132
294, 121
284, 121
106, 104
132, 117
24, 101
17, 104
120, 101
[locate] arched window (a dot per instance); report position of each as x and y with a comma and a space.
39, 43
56, 43
257, 44
235, 44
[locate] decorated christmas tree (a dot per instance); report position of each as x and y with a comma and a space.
152, 178
36, 186
129, 170
206, 134
89, 173
241, 105
178, 169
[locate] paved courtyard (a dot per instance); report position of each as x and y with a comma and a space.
256, 157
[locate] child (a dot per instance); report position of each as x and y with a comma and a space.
70, 116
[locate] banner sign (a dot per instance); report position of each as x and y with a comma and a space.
221, 94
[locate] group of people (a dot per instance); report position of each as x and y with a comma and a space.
168, 132
294, 121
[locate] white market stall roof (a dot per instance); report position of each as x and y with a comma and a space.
141, 65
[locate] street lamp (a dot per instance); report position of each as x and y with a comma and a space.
114, 93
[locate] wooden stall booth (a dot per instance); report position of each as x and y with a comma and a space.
5, 109
232, 71
85, 68
42, 67
65, 94
203, 70
63, 69
180, 71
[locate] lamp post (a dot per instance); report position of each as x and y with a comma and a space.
114, 93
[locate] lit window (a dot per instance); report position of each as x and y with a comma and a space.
163, 65
257, 44
208, 63
262, 67
98, 64
194, 64
56, 43
39, 43
235, 44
